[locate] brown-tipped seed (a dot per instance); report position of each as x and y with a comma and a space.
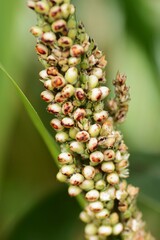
100, 116
58, 82
96, 206
67, 108
61, 177
96, 157
68, 91
107, 128
95, 94
53, 71
48, 37
42, 50
36, 31
59, 26
82, 136
109, 155
74, 191
55, 12
54, 108
65, 158
108, 167
67, 122
113, 178
76, 179
102, 214
105, 92
56, 124
80, 94
89, 172
47, 96
41, 7
79, 114
68, 170
92, 195
59, 98
65, 42
92, 145
76, 50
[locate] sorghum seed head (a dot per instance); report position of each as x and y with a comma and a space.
67, 108
117, 229
96, 206
105, 231
65, 158
88, 172
62, 137
90, 229
55, 12
76, 50
65, 42
92, 145
92, 195
113, 178
61, 177
100, 116
47, 96
105, 92
36, 31
42, 50
48, 37
95, 94
71, 75
65, 8
74, 191
87, 185
67, 170
109, 155
59, 26
53, 71
94, 130
79, 114
82, 136
107, 195
100, 184
84, 217
68, 91
77, 147
41, 7
96, 157
56, 124
108, 167
92, 81
54, 108
80, 94
67, 122
76, 179
102, 214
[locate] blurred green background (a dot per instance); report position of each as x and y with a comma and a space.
33, 205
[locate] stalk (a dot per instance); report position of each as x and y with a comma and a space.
94, 158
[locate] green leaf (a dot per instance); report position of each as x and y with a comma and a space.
47, 138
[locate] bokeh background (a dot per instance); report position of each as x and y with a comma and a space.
33, 205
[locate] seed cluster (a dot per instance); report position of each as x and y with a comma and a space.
94, 157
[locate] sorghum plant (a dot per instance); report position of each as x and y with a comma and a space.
94, 157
